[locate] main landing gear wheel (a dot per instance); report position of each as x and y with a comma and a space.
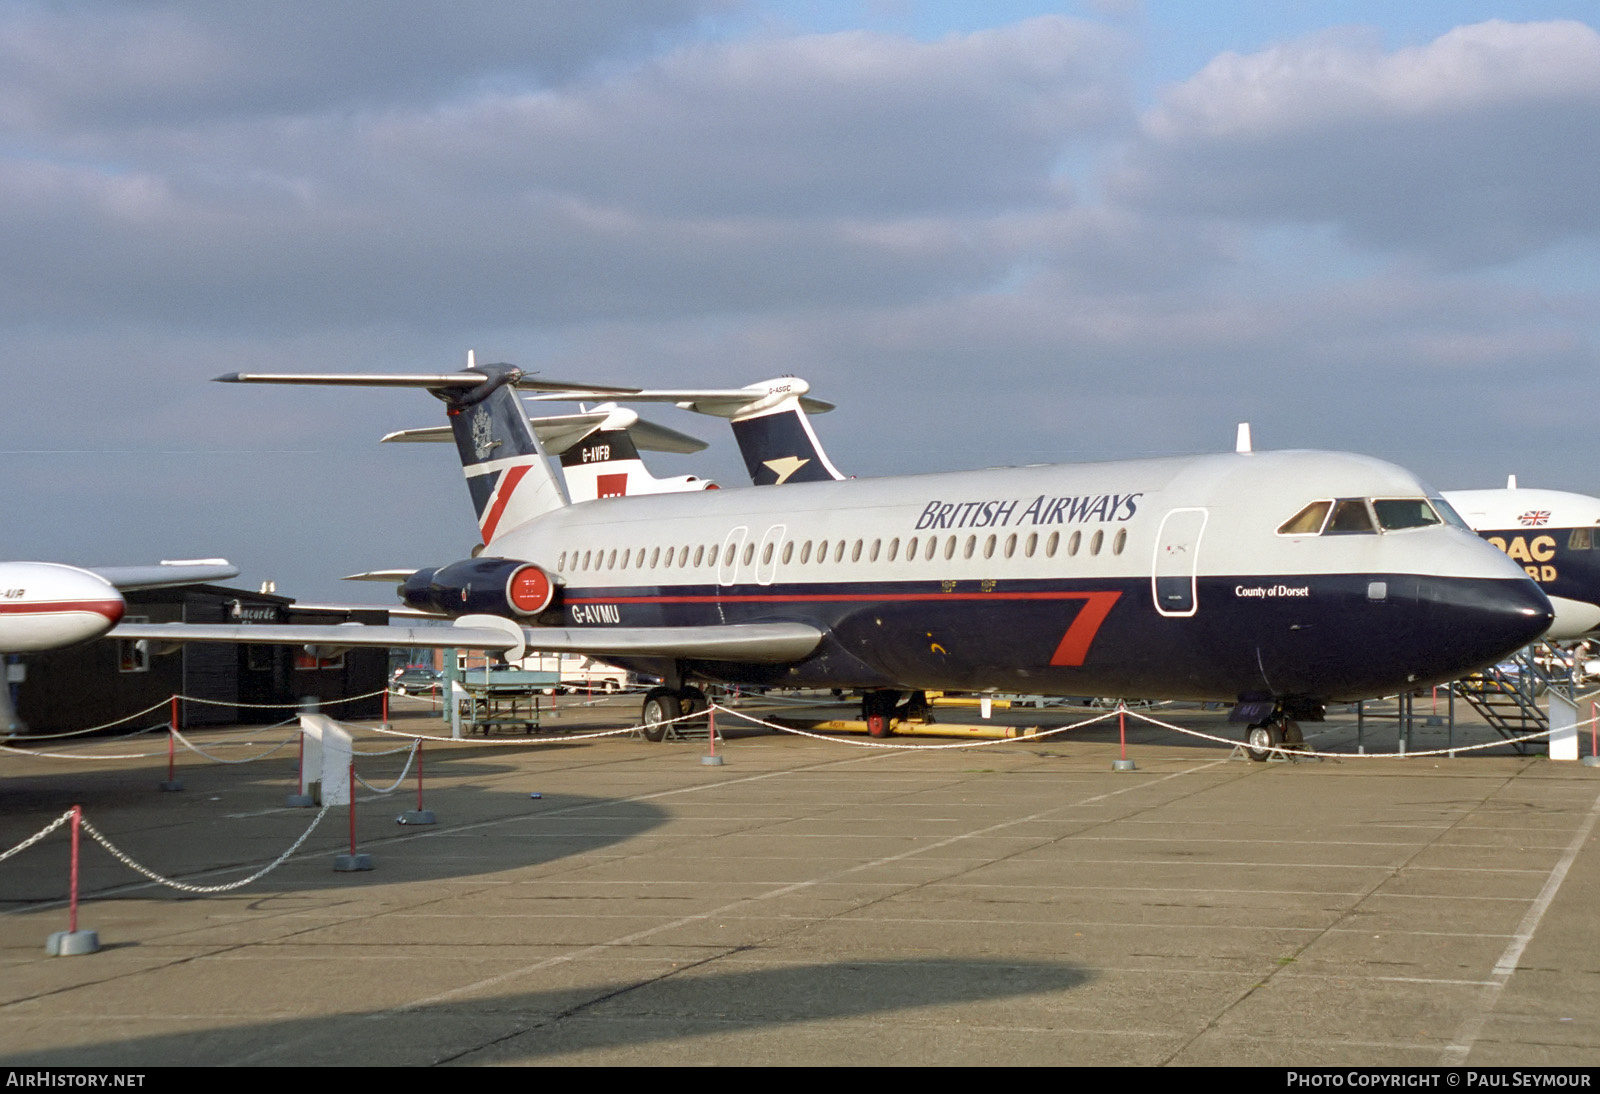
663, 705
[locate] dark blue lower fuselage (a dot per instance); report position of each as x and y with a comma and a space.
1325, 637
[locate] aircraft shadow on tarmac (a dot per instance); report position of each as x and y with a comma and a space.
683, 1005
216, 831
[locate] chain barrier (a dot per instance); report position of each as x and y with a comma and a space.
404, 771
161, 726
82, 756
886, 744
1299, 751
192, 747
377, 752
103, 725
184, 887
565, 739
319, 704
37, 836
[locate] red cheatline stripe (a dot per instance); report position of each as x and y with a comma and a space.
111, 609
1071, 651
814, 598
1074, 645
508, 483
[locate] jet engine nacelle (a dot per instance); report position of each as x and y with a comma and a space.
47, 606
505, 587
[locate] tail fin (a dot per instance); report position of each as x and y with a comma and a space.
777, 441
606, 463
507, 471
510, 479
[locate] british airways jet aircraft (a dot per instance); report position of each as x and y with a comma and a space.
1552, 534
1287, 579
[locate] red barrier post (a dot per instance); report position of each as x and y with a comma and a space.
352, 808
418, 815
172, 782
711, 759
354, 860
72, 900
73, 941
1122, 763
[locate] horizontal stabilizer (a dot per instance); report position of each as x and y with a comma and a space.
168, 573
431, 381
720, 402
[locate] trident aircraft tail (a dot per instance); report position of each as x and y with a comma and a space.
508, 474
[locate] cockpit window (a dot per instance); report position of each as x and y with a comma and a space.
1448, 512
1397, 513
1350, 516
1308, 521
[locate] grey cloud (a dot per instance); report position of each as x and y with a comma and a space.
1481, 146
95, 63
845, 124
848, 168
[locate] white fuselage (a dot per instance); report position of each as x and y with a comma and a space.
47, 606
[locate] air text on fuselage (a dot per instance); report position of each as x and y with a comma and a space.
1041, 510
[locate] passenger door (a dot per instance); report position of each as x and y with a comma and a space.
1172, 584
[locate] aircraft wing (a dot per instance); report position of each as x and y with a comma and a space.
764, 643
168, 573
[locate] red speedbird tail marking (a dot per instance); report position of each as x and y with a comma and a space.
497, 508
1075, 643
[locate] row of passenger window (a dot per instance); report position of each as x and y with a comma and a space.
708, 555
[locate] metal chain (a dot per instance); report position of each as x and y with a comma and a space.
37, 836
392, 787
94, 729
192, 747
1297, 751
278, 706
81, 756
922, 747
184, 886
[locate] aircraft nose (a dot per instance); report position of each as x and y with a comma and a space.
1480, 622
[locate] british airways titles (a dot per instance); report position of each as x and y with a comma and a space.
1041, 510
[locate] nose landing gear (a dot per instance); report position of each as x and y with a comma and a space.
1276, 734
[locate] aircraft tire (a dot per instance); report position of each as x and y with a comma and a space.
694, 701
1259, 741
877, 707
661, 706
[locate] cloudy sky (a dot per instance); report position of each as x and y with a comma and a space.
1007, 232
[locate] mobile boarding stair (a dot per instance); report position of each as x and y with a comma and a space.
1507, 695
